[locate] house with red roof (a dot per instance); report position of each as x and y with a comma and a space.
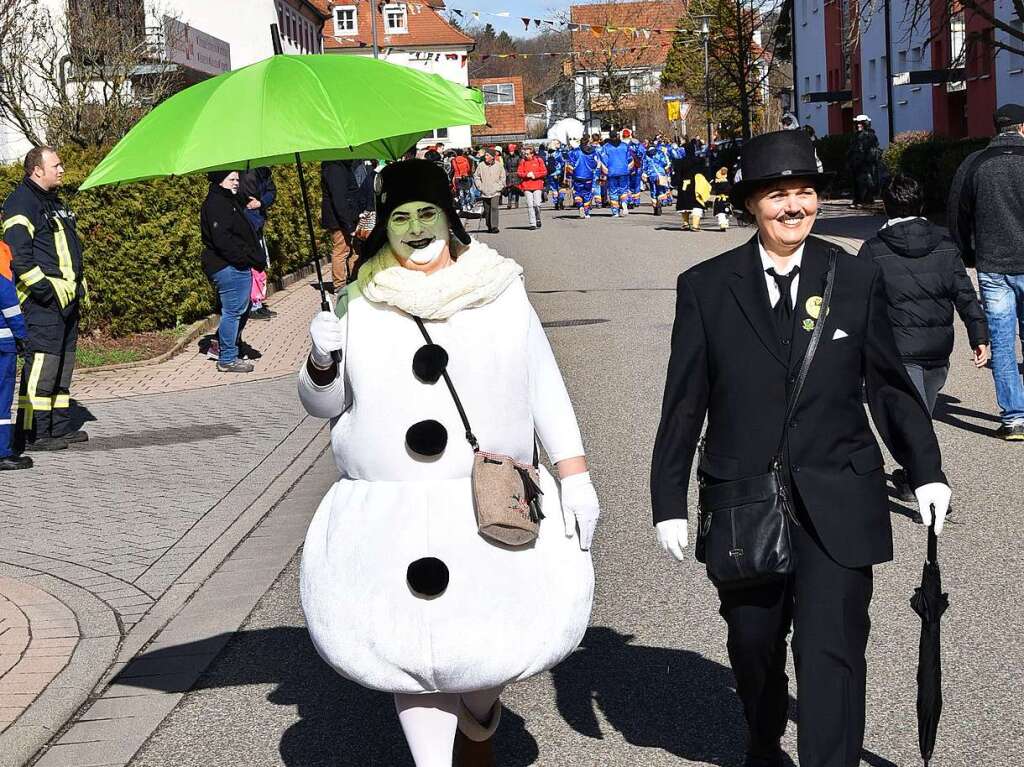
414, 35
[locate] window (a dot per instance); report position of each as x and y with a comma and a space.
345, 20
439, 133
500, 93
1016, 59
395, 18
872, 77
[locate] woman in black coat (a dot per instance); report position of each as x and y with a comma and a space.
230, 253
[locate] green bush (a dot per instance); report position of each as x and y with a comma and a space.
832, 152
932, 160
142, 243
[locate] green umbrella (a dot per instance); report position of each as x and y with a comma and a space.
322, 107
287, 109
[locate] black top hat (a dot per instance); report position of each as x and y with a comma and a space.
773, 156
411, 181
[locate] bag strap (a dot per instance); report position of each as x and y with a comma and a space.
470, 437
812, 347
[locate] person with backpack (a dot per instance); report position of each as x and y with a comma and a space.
924, 280
985, 211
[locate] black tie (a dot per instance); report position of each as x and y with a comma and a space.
784, 308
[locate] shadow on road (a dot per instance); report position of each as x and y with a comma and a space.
656, 697
339, 722
947, 412
79, 415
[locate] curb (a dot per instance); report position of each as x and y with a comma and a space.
200, 327
99, 636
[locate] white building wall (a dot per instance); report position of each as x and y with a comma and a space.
1009, 67
810, 62
872, 71
910, 53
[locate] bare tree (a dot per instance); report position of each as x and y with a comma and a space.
82, 77
744, 39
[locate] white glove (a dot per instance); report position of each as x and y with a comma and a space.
580, 507
934, 494
328, 334
673, 536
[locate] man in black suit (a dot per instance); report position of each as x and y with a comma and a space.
743, 323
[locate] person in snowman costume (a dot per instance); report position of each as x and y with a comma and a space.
400, 590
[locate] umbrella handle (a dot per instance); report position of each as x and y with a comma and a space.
933, 540
325, 305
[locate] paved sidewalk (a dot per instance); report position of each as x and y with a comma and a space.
281, 340
103, 543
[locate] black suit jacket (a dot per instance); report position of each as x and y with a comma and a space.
729, 364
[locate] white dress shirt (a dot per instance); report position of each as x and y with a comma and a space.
773, 287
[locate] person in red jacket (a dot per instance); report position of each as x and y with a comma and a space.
532, 171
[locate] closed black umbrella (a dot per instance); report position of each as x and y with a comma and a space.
930, 603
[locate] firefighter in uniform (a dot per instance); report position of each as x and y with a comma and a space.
47, 267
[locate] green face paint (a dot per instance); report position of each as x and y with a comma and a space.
418, 231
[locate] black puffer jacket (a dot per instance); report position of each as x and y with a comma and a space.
924, 278
228, 237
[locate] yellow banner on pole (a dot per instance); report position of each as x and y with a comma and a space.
673, 110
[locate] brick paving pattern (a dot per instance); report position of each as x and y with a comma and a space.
38, 634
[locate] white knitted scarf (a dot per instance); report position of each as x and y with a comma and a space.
476, 278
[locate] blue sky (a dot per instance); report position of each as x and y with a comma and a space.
541, 9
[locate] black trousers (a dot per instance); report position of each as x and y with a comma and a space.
491, 211
827, 606
44, 396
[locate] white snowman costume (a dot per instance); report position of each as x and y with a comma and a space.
506, 614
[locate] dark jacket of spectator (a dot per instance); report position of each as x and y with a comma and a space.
924, 279
997, 227
228, 237
258, 184
364, 174
340, 208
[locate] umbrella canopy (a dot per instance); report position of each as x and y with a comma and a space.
930, 603
323, 107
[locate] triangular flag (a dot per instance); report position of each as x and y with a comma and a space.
597, 31
503, 14
457, 11
611, 29
647, 34
485, 57
465, 58
451, 56
536, 23
476, 14
573, 27
526, 22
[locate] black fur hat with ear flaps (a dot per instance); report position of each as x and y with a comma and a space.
411, 181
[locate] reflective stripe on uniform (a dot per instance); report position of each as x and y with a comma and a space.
12, 311
19, 221
6, 333
6, 422
32, 276
29, 402
60, 240
61, 401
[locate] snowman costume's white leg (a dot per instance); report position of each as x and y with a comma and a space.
429, 722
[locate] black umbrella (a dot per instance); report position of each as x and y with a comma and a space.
930, 603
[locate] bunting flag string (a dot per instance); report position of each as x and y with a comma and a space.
428, 56
596, 29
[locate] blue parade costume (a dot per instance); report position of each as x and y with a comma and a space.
556, 162
583, 166
636, 182
12, 329
616, 155
655, 172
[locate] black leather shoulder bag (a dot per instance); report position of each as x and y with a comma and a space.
743, 533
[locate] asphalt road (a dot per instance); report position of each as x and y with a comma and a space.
651, 684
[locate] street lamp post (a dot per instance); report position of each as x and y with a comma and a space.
374, 11
705, 34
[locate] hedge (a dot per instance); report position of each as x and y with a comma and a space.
832, 153
142, 243
932, 160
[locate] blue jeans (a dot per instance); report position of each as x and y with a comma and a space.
1002, 295
235, 287
8, 365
